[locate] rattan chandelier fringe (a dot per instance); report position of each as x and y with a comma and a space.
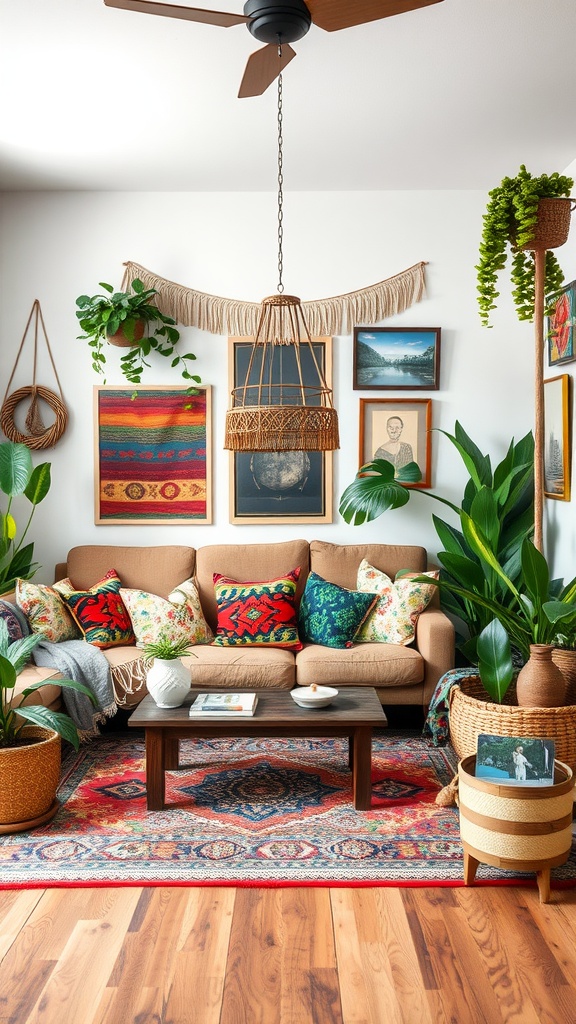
332, 316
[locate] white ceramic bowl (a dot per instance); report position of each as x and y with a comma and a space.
321, 697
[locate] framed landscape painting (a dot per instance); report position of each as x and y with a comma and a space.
557, 454
391, 358
397, 430
152, 457
281, 487
560, 327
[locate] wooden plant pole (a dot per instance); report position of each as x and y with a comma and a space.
539, 276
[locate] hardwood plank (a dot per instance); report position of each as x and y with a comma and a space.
309, 988
252, 988
16, 906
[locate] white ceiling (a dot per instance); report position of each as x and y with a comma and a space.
452, 96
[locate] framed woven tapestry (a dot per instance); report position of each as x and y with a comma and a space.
153, 460
280, 487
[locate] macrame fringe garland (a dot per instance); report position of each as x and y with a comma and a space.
332, 316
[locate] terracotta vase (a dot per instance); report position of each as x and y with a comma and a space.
540, 682
168, 681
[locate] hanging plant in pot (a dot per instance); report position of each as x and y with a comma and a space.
30, 742
130, 320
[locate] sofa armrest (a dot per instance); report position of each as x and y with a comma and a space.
435, 642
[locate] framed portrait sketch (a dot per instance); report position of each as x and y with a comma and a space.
560, 327
557, 453
392, 358
281, 487
152, 456
398, 430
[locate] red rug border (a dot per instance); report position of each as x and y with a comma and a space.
481, 883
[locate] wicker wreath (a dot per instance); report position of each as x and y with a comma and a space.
39, 436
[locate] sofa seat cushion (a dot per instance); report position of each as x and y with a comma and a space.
241, 668
377, 665
128, 671
50, 695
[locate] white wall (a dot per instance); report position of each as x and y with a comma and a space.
55, 246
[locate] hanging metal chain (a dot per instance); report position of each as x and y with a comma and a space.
280, 181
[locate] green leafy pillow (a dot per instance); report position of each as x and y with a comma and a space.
331, 615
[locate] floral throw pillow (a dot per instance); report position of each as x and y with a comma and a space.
257, 614
399, 603
100, 612
180, 617
331, 615
46, 611
16, 622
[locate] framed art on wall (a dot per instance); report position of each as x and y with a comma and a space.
557, 453
152, 458
280, 487
560, 327
391, 358
398, 430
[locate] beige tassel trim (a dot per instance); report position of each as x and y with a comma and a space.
448, 796
336, 315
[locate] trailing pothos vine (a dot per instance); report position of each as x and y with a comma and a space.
508, 223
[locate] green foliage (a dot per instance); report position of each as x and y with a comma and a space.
508, 223
18, 477
167, 650
103, 315
13, 658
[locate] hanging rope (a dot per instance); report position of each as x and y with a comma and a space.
39, 436
336, 315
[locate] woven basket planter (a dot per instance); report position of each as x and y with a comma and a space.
472, 712
553, 224
29, 778
566, 662
519, 828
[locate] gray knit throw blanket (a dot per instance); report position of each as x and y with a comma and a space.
78, 660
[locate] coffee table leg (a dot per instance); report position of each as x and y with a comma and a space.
361, 769
171, 755
155, 768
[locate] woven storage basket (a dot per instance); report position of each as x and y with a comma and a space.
566, 662
553, 224
471, 712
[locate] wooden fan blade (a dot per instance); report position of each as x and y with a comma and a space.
175, 11
263, 67
333, 15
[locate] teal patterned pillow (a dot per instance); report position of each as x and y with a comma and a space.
330, 615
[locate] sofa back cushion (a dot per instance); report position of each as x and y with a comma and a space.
158, 570
247, 562
339, 563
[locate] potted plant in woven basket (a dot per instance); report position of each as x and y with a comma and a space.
30, 742
130, 320
523, 213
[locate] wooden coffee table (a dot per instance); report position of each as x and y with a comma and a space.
353, 713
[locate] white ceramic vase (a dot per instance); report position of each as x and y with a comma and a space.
168, 682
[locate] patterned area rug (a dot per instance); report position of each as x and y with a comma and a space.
251, 812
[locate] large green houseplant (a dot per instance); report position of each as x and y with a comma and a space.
142, 325
18, 477
508, 224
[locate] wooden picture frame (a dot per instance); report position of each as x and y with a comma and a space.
152, 456
412, 433
557, 439
561, 325
396, 358
268, 488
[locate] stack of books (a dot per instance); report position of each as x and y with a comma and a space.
224, 705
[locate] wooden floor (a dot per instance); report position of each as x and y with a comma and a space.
287, 956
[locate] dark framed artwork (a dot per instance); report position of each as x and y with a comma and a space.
281, 487
393, 358
560, 327
398, 430
557, 441
152, 457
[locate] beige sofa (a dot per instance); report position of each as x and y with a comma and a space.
400, 674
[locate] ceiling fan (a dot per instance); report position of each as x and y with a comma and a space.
278, 25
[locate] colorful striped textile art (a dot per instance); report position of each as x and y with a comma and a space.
153, 455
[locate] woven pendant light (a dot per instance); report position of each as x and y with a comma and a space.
284, 403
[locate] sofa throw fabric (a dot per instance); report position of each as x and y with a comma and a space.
84, 664
46, 611
100, 612
15, 619
257, 613
399, 604
179, 618
331, 615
